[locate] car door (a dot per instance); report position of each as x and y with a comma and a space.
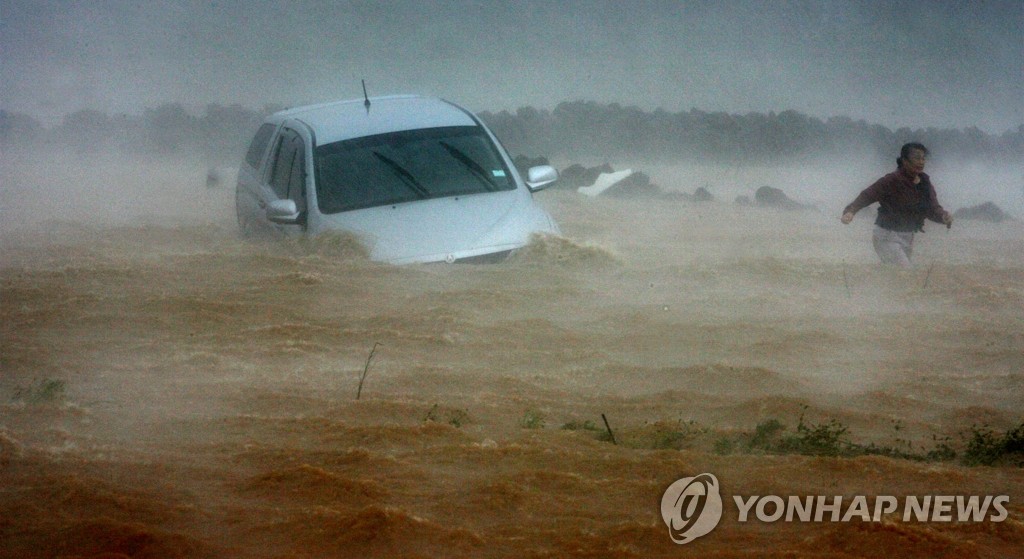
285, 178
248, 195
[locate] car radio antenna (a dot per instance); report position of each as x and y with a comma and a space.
366, 103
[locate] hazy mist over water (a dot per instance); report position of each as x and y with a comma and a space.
896, 63
169, 389
174, 391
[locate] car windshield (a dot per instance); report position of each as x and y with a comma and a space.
406, 166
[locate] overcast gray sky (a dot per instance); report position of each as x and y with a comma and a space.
894, 62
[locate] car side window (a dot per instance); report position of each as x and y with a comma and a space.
297, 180
259, 145
286, 155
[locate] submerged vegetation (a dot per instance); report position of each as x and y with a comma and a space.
44, 391
452, 416
986, 447
533, 419
979, 446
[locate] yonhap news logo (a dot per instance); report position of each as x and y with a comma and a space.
822, 508
692, 507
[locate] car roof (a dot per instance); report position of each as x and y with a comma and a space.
343, 120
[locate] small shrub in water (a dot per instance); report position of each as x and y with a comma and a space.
986, 447
46, 391
823, 439
766, 435
455, 417
587, 425
724, 445
532, 419
458, 418
942, 452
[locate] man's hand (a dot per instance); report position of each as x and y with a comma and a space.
947, 218
848, 217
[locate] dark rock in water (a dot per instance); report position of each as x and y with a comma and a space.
576, 175
637, 184
523, 163
676, 196
743, 200
769, 197
702, 195
699, 195
983, 212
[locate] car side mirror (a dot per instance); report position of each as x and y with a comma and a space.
540, 177
283, 211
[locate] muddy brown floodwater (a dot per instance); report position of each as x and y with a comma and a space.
169, 390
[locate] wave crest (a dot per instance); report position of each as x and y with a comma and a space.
333, 244
554, 249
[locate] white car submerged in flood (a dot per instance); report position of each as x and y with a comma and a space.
416, 179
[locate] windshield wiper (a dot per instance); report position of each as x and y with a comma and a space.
473, 166
407, 178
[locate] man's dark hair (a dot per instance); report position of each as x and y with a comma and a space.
905, 151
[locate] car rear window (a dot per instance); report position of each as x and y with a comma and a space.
406, 166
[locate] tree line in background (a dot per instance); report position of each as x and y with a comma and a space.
613, 132
572, 131
220, 135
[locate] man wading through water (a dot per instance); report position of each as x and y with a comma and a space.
905, 199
